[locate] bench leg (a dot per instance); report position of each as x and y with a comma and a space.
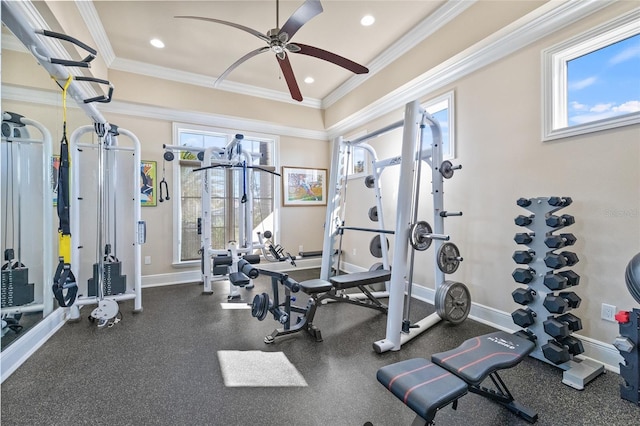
305, 323
502, 396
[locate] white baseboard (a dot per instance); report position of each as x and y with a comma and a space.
594, 350
21, 349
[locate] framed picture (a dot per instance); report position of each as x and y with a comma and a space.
148, 190
304, 187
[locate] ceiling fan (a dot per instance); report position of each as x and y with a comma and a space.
279, 42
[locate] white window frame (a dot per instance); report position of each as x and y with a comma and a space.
177, 217
554, 77
440, 103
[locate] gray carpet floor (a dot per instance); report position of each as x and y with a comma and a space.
160, 367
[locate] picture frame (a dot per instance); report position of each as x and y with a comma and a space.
303, 186
148, 183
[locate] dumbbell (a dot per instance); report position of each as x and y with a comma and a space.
574, 323
523, 202
523, 317
559, 221
560, 260
524, 237
523, 296
555, 352
555, 328
526, 334
561, 280
522, 220
522, 275
523, 256
573, 345
559, 241
562, 302
560, 201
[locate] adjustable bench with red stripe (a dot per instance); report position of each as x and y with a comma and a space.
426, 386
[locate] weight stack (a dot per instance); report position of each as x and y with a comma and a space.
16, 289
549, 293
628, 344
113, 281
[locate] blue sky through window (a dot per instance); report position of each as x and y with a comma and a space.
604, 83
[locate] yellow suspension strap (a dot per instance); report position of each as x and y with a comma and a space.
64, 278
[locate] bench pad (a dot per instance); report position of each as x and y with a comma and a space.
315, 286
422, 385
356, 279
476, 358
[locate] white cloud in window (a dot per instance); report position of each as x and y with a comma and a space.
604, 111
577, 106
625, 55
600, 107
581, 84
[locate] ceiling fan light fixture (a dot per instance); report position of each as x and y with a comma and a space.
367, 20
309, 80
157, 43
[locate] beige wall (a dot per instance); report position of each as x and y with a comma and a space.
498, 124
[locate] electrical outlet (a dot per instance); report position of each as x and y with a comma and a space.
147, 260
608, 312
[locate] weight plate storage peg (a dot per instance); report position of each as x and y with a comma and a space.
448, 258
453, 301
419, 236
447, 169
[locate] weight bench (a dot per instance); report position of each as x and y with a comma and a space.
427, 386
359, 280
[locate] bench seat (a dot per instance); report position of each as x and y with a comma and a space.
341, 282
315, 286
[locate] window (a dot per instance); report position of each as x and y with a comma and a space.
591, 82
227, 190
442, 109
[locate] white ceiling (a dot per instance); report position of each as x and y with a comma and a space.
207, 49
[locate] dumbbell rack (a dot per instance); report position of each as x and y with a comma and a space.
628, 343
547, 298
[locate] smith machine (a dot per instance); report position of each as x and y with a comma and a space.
452, 299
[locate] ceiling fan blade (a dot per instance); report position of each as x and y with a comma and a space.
301, 16
331, 57
231, 24
238, 62
287, 71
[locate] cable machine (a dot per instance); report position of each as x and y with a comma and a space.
27, 209
106, 182
452, 298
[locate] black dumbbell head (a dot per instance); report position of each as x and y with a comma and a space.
572, 299
522, 220
555, 352
555, 281
574, 345
555, 328
523, 238
526, 334
555, 304
555, 261
523, 317
523, 202
570, 257
572, 277
523, 296
523, 257
574, 323
569, 239
523, 276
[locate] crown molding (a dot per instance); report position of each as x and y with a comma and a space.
44, 97
92, 20
141, 68
420, 32
543, 21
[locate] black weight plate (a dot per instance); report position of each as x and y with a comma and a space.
373, 214
260, 306
448, 258
632, 277
375, 246
446, 168
453, 302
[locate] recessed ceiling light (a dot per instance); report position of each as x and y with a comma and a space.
367, 20
157, 43
309, 80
